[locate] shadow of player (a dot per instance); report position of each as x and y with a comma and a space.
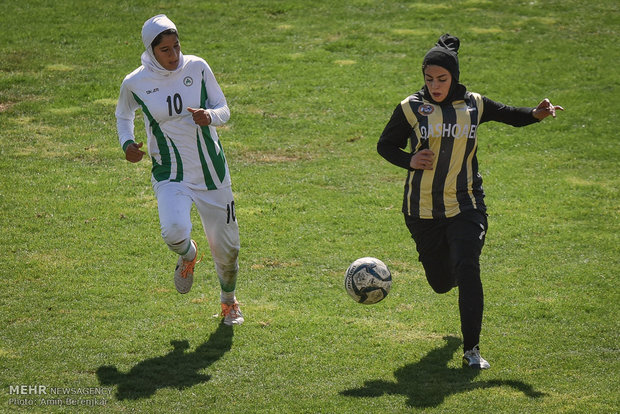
430, 381
177, 369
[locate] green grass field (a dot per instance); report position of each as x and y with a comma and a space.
88, 304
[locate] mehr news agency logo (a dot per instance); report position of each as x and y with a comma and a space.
42, 395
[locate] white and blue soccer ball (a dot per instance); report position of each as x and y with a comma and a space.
368, 280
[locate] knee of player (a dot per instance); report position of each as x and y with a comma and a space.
442, 285
175, 233
442, 288
440, 279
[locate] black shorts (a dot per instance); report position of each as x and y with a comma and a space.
449, 248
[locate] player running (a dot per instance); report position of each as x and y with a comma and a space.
443, 200
182, 104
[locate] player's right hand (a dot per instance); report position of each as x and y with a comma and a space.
422, 160
133, 152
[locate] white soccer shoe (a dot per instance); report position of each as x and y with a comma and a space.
184, 273
232, 314
474, 360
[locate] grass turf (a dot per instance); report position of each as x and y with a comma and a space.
88, 299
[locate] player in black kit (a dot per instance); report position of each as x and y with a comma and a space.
443, 199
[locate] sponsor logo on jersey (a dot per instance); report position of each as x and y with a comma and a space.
448, 131
426, 109
188, 81
152, 91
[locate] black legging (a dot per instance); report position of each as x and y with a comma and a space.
449, 249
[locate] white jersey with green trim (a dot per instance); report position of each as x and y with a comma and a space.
179, 149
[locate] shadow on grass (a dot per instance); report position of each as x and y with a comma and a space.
429, 382
178, 369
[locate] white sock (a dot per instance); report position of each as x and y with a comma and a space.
227, 297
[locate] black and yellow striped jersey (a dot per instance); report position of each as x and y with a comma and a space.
451, 131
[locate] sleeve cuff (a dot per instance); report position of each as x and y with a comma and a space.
128, 143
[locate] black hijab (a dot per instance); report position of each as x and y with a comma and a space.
445, 54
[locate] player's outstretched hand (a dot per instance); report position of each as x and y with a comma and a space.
201, 116
545, 108
133, 152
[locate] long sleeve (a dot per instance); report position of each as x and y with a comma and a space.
125, 115
394, 140
515, 116
125, 132
216, 102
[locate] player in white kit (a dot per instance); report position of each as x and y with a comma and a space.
182, 104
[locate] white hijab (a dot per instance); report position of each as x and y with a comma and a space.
151, 29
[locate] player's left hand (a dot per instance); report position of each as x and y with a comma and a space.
200, 116
545, 108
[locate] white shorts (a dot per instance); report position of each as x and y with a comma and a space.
217, 212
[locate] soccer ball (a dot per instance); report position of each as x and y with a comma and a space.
368, 280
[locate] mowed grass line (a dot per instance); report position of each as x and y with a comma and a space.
88, 299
